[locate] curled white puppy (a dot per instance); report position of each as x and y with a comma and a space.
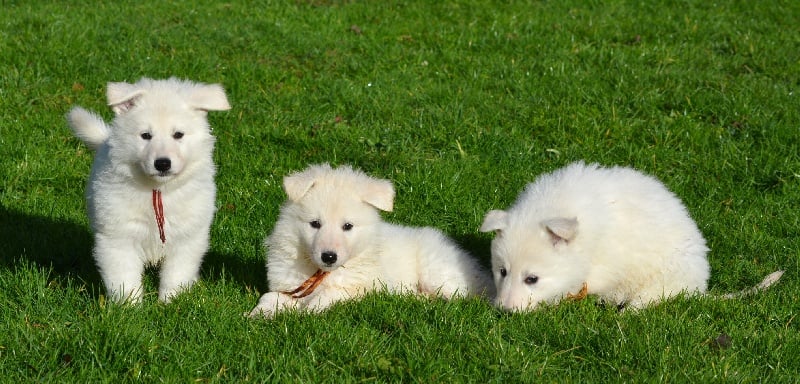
330, 244
151, 192
612, 232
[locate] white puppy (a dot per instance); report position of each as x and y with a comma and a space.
151, 192
330, 244
612, 232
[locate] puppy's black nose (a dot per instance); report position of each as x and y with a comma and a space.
329, 257
162, 164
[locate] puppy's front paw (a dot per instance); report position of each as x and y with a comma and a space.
271, 303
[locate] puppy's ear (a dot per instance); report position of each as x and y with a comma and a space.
379, 194
298, 184
209, 97
561, 229
495, 220
122, 96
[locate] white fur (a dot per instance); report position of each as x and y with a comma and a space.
124, 174
371, 255
619, 231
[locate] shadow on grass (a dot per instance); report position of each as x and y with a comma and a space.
219, 266
478, 245
66, 247
48, 243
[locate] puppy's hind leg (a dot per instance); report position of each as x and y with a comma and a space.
448, 271
465, 278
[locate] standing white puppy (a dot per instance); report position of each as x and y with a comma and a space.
330, 244
151, 192
612, 232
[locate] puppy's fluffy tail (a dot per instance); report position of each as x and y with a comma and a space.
772, 278
88, 127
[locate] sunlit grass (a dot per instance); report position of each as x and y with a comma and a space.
460, 104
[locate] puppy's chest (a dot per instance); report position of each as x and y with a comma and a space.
171, 220
356, 277
153, 216
182, 213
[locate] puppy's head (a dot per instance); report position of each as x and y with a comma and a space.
336, 211
534, 262
160, 128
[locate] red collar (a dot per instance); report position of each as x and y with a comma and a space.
158, 208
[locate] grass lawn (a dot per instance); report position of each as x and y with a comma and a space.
460, 104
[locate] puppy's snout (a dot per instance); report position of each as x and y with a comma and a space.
162, 164
329, 257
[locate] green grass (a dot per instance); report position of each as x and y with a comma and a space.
460, 104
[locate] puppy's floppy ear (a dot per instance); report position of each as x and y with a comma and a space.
379, 194
209, 97
122, 96
561, 229
298, 184
495, 220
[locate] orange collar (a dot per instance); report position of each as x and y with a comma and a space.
308, 286
580, 295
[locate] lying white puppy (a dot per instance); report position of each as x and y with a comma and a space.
330, 244
151, 192
612, 232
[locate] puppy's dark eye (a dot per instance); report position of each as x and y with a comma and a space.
530, 280
315, 224
503, 272
347, 226
177, 135
146, 136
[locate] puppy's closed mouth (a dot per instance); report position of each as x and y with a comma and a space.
162, 174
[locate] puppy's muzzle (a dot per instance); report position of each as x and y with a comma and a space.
329, 258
